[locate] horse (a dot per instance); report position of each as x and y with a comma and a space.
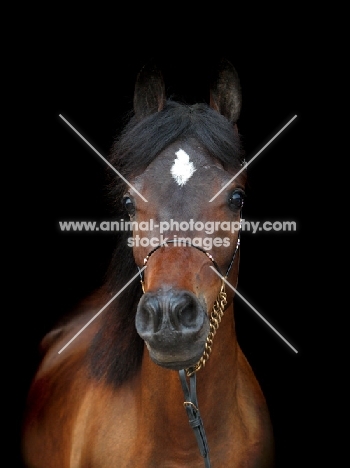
147, 371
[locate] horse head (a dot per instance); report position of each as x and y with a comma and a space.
178, 231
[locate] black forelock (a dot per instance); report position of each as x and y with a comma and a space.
141, 141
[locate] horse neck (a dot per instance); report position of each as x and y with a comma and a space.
161, 399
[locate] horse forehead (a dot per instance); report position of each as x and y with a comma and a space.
184, 165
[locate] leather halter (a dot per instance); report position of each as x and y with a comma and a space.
189, 244
190, 391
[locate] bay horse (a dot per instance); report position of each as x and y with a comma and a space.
157, 377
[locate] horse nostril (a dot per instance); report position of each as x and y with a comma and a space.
149, 319
185, 312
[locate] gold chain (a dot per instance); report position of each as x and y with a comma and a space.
215, 319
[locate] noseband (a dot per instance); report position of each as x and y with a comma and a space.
188, 244
190, 392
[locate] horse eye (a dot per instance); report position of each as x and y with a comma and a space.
236, 200
129, 205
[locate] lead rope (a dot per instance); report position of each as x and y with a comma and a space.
191, 403
215, 319
194, 417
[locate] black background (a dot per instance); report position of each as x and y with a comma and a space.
89, 79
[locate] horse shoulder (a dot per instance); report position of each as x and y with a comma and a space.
59, 398
53, 406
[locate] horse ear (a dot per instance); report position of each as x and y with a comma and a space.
149, 93
225, 91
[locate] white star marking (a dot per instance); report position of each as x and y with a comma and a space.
182, 169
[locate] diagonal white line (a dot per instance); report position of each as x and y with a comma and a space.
252, 159
245, 300
104, 159
103, 308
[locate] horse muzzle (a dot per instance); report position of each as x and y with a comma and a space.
174, 325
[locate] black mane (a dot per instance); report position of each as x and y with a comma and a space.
116, 351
